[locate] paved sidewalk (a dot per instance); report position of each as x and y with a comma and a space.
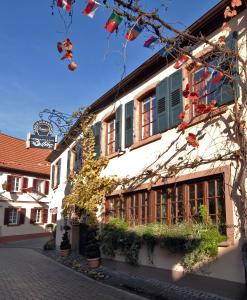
56, 278
25, 274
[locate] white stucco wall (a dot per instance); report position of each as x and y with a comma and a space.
215, 140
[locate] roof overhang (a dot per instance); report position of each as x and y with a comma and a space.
205, 25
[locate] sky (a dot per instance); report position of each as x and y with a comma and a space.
33, 77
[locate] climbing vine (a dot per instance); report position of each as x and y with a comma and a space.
88, 186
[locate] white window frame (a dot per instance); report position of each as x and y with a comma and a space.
13, 216
39, 186
38, 216
15, 184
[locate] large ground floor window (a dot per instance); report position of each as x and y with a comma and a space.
172, 204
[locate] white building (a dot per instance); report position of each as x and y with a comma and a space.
136, 128
24, 187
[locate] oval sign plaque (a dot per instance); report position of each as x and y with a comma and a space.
43, 128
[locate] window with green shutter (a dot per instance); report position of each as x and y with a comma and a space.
129, 112
68, 163
53, 176
222, 91
175, 98
162, 105
58, 166
169, 101
118, 129
97, 136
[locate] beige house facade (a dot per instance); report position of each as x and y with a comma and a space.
136, 127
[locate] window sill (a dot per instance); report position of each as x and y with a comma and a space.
55, 187
14, 225
149, 140
204, 117
115, 154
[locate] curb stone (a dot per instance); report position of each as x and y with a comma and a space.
149, 288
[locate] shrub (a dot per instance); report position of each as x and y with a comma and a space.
196, 241
65, 243
92, 247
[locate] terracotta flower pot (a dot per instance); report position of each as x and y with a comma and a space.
65, 252
93, 262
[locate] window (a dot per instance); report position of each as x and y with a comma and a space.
55, 175
37, 216
148, 117
181, 202
116, 208
39, 186
172, 204
134, 208
77, 151
13, 183
111, 136
222, 90
13, 216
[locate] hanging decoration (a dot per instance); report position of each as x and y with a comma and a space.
133, 32
65, 4
218, 77
166, 50
65, 48
113, 22
151, 42
236, 3
181, 61
91, 8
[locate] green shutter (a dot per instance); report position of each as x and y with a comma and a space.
226, 91
78, 157
58, 171
175, 99
162, 96
97, 132
68, 163
129, 112
52, 175
118, 131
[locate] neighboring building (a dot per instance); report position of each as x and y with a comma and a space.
24, 187
136, 128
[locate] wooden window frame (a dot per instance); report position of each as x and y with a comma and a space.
109, 142
149, 95
181, 204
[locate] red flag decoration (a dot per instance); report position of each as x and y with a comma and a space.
91, 8
218, 77
113, 22
133, 32
151, 42
181, 61
65, 4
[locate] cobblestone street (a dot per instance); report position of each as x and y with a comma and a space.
27, 274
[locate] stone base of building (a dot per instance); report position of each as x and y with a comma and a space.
14, 238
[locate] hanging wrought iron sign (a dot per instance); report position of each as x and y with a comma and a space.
42, 137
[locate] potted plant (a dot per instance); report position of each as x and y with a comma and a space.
92, 249
65, 245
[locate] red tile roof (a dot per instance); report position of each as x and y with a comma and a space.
15, 156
